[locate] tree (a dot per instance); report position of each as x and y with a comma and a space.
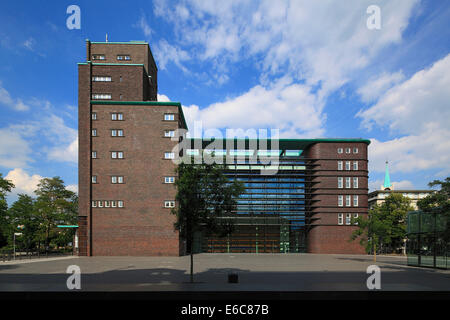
205, 199
5, 187
22, 213
385, 225
54, 205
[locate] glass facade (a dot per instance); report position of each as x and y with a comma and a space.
428, 242
270, 215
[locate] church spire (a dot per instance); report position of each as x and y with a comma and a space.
387, 179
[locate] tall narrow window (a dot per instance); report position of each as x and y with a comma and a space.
120, 203
355, 216
340, 182
347, 165
348, 201
94, 155
94, 132
340, 150
94, 115
94, 204
340, 218
340, 201
355, 201
340, 165
355, 165
347, 150
348, 218
347, 182
355, 182
94, 179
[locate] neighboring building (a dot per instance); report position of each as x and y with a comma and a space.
126, 172
378, 197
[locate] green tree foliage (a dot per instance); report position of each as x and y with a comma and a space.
205, 197
5, 187
22, 218
385, 225
54, 205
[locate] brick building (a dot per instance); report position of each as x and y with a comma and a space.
126, 172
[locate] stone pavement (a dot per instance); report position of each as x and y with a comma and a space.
257, 272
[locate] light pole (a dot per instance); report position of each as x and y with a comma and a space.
14, 242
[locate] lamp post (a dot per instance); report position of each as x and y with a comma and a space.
14, 242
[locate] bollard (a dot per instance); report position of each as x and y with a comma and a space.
233, 278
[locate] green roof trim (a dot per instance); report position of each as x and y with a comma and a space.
148, 103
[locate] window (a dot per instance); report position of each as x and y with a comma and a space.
169, 155
120, 97
355, 201
101, 79
169, 179
94, 179
94, 154
116, 179
94, 132
355, 165
355, 182
347, 201
355, 216
123, 57
347, 182
169, 133
116, 133
117, 116
340, 182
94, 204
340, 218
347, 150
100, 204
98, 57
116, 154
355, 150
340, 165
348, 218
113, 204
94, 115
340, 201
101, 96
120, 204
120, 79
169, 204
169, 117
347, 165
340, 150
106, 204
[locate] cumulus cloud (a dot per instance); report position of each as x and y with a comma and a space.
166, 53
15, 150
377, 86
23, 182
418, 109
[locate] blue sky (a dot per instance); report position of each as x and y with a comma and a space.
310, 69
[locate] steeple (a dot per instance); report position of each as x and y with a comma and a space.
387, 179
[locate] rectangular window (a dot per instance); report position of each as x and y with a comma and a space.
94, 115
101, 79
101, 96
348, 218
169, 155
106, 204
169, 133
347, 182
355, 216
355, 165
120, 204
340, 150
94, 179
94, 154
340, 218
340, 201
98, 57
169, 204
340, 182
347, 165
355, 150
340, 165
116, 116
169, 179
116, 179
94, 204
123, 57
169, 117
116, 154
347, 150
348, 201
94, 132
113, 204
355, 182
355, 201
120, 179
100, 204
116, 133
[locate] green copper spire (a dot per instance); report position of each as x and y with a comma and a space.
387, 178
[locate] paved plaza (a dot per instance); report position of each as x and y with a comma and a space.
257, 272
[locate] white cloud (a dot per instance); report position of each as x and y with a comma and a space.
162, 98
165, 53
14, 149
72, 187
65, 153
418, 109
7, 100
378, 86
144, 26
23, 182
29, 44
